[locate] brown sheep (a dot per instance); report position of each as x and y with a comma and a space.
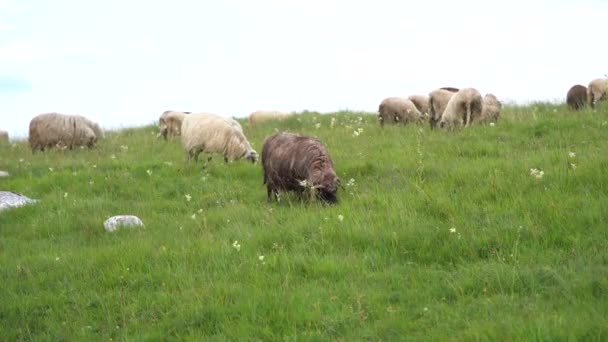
438, 100
293, 162
398, 110
596, 91
577, 97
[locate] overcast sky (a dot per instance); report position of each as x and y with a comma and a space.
122, 63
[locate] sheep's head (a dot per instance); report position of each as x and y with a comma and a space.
328, 187
252, 156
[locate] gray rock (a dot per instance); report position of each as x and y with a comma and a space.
3, 174
126, 221
10, 200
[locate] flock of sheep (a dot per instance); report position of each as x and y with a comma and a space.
293, 162
580, 96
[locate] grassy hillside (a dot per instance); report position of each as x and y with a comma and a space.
437, 236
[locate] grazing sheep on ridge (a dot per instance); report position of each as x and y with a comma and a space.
596, 91
52, 129
438, 100
293, 162
398, 110
170, 123
260, 116
491, 108
464, 108
209, 133
577, 97
422, 103
3, 136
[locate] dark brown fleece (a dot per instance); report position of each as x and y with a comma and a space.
288, 159
577, 97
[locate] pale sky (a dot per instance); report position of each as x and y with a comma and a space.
122, 63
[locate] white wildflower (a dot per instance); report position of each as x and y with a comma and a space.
305, 183
318, 125
21, 160
188, 197
149, 172
261, 258
492, 124
536, 173
332, 123
193, 216
168, 163
340, 218
571, 154
65, 195
56, 258
452, 230
51, 169
351, 182
573, 166
236, 245
113, 156
124, 147
94, 166
200, 211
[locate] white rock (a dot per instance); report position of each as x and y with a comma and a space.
3, 174
127, 221
13, 200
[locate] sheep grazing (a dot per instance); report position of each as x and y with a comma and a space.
293, 162
170, 123
577, 97
3, 137
438, 100
596, 91
491, 108
209, 133
421, 102
54, 129
260, 116
398, 110
452, 89
463, 108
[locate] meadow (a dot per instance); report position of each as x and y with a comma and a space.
436, 236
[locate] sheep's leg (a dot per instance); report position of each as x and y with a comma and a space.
467, 118
207, 162
269, 193
225, 159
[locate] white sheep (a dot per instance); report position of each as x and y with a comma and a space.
596, 91
422, 104
398, 110
170, 123
260, 116
438, 100
462, 109
491, 108
54, 129
3, 137
210, 133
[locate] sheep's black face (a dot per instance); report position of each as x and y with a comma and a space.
252, 156
329, 197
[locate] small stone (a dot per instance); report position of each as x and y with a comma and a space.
10, 200
126, 221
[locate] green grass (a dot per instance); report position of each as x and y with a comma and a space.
528, 259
